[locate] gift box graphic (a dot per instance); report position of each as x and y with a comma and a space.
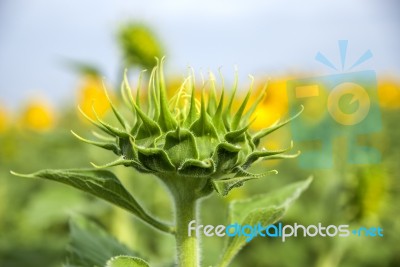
338, 105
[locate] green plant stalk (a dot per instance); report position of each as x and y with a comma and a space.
187, 246
186, 195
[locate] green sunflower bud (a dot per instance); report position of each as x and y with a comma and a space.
201, 140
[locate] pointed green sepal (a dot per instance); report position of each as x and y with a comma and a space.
115, 131
192, 115
124, 162
118, 115
126, 91
103, 137
237, 118
237, 135
217, 118
166, 121
203, 126
282, 156
98, 125
226, 117
106, 145
257, 137
212, 97
148, 128
138, 88
254, 156
254, 106
153, 96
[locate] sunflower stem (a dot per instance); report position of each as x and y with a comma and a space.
187, 246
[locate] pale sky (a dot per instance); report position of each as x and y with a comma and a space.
259, 37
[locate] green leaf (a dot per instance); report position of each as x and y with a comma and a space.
90, 245
264, 216
126, 261
100, 183
280, 198
265, 209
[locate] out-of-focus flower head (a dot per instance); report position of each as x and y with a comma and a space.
38, 116
274, 105
4, 119
91, 95
139, 46
389, 93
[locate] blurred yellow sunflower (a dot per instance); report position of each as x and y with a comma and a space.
91, 94
38, 115
389, 93
4, 119
273, 107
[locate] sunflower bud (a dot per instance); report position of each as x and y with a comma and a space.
187, 139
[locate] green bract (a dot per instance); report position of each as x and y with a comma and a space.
185, 138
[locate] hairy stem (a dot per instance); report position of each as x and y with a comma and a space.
187, 246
